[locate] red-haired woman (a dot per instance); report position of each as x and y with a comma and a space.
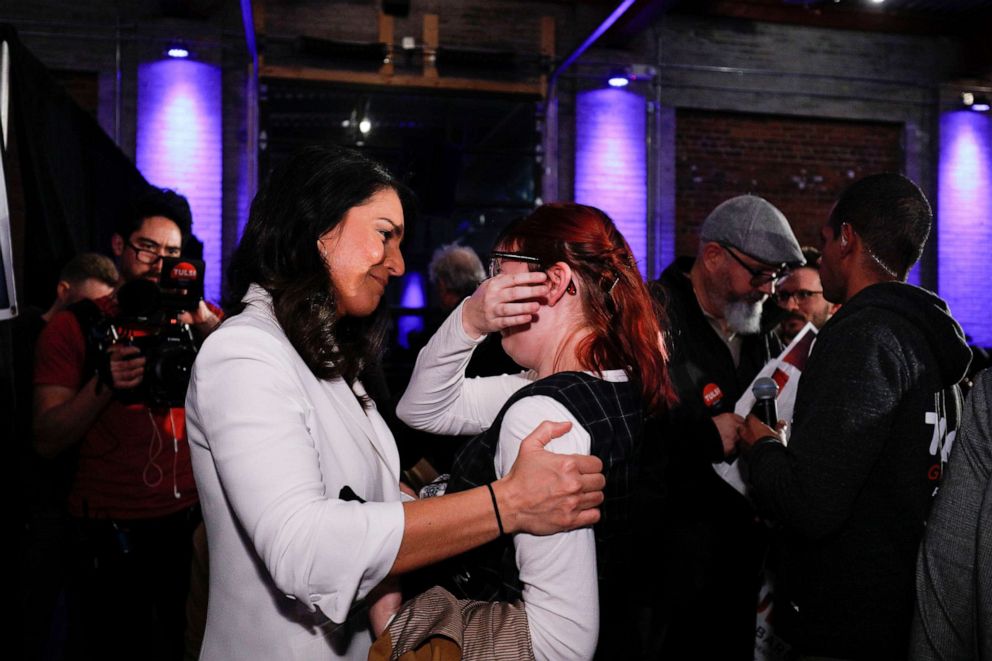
570, 304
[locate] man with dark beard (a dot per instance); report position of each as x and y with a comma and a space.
801, 296
701, 535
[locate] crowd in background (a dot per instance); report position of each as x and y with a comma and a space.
864, 518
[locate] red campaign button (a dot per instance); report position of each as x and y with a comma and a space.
712, 394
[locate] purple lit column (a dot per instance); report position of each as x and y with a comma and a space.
611, 161
179, 146
415, 298
964, 220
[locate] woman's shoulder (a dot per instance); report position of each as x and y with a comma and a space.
252, 331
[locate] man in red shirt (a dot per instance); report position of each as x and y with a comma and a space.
133, 498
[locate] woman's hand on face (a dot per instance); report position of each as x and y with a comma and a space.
545, 493
503, 301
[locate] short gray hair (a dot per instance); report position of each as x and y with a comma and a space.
458, 267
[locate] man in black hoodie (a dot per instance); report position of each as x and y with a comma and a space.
874, 409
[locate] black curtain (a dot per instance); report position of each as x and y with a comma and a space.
68, 184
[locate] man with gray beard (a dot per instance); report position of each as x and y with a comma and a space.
705, 548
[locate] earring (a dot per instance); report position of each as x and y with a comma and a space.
571, 288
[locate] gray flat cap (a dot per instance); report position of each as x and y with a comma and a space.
755, 227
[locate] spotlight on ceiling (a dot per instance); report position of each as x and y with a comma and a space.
178, 52
618, 78
976, 102
365, 126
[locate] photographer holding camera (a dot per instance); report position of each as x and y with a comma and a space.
133, 499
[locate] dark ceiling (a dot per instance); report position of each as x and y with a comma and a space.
911, 16
970, 21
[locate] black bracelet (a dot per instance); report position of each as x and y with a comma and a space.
499, 520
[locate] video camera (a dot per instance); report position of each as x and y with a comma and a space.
149, 320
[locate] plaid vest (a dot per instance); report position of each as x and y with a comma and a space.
613, 415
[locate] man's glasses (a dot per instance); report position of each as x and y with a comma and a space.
800, 295
759, 277
496, 258
149, 256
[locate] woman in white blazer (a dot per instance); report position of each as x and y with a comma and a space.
298, 474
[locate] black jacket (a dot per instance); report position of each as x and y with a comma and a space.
703, 550
700, 358
853, 488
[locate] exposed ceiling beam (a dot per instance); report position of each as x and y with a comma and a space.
830, 15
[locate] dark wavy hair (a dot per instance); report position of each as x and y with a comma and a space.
302, 200
156, 202
623, 316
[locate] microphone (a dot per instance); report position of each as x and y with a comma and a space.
765, 390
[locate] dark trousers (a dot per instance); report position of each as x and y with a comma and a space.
128, 588
42, 574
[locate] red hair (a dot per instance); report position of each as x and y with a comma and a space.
621, 313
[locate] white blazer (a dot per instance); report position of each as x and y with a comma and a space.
272, 448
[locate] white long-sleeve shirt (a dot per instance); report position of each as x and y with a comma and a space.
558, 572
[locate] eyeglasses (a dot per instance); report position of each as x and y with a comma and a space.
759, 277
800, 295
496, 257
149, 256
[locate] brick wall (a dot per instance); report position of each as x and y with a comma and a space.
809, 74
964, 206
511, 25
799, 164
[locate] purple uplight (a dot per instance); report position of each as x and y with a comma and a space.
413, 297
179, 146
964, 220
611, 161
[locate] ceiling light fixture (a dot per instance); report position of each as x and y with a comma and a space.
619, 78
975, 102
